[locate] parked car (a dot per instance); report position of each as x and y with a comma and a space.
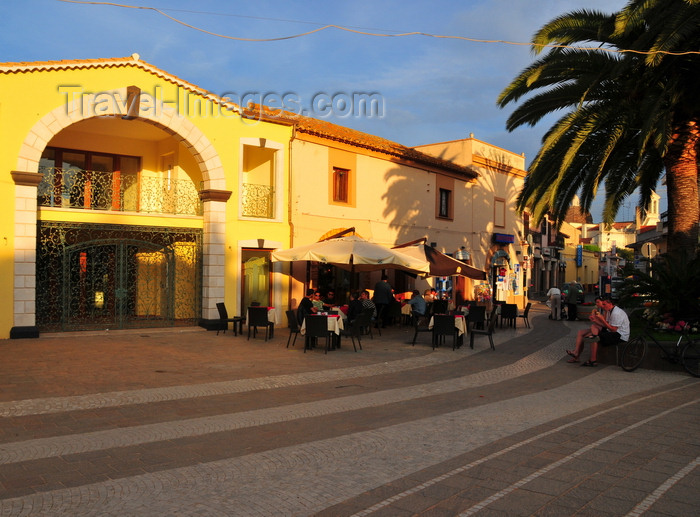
565, 291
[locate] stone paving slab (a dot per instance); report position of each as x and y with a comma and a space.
190, 423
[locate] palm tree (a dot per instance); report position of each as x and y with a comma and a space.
628, 88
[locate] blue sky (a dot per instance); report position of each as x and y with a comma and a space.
432, 89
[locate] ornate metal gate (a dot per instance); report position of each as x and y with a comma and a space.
112, 276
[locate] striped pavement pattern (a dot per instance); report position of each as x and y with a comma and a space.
497, 438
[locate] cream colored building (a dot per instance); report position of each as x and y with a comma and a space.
494, 232
389, 193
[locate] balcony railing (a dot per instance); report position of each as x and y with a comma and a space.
123, 192
257, 201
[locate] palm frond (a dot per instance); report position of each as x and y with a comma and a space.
619, 114
575, 27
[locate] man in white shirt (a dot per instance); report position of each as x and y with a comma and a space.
554, 295
615, 330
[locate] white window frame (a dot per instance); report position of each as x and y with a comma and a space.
278, 172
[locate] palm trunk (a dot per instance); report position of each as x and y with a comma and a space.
681, 162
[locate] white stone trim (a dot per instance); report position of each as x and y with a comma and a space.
279, 176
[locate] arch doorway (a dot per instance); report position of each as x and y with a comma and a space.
92, 276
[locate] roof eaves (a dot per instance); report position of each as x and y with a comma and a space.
329, 131
333, 132
133, 60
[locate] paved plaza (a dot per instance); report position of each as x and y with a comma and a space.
184, 422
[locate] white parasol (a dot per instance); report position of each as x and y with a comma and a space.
354, 253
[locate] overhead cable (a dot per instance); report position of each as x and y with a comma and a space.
376, 34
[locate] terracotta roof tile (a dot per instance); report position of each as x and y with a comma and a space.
308, 125
574, 215
622, 225
334, 132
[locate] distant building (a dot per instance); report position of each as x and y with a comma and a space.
575, 216
652, 233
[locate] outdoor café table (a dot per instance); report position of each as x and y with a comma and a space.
342, 313
335, 325
460, 325
407, 313
272, 318
463, 310
488, 312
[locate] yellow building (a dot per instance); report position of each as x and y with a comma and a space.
132, 198
578, 266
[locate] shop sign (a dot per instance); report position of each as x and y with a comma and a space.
503, 238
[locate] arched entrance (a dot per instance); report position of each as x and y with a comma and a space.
27, 179
93, 276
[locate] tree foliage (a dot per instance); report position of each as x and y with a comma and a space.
629, 111
672, 286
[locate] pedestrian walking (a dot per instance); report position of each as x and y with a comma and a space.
554, 298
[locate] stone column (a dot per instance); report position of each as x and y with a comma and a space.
24, 294
214, 250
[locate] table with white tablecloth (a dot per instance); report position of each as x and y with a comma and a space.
335, 325
460, 324
272, 315
273, 318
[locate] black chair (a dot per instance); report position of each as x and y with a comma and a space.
257, 317
224, 320
525, 314
316, 327
488, 332
420, 324
509, 312
355, 327
440, 307
476, 317
293, 326
444, 325
367, 329
394, 312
